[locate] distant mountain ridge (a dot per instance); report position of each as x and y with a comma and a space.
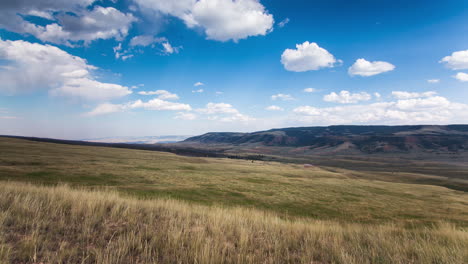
367, 139
140, 140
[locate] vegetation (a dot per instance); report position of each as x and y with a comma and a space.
134, 206
64, 225
287, 189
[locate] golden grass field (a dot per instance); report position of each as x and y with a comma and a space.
131, 206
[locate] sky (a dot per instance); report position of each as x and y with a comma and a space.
81, 69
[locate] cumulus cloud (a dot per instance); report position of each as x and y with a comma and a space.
11, 11
280, 96
221, 20
32, 66
198, 91
99, 23
71, 20
410, 95
366, 68
457, 61
433, 81
223, 112
154, 104
162, 94
345, 97
198, 84
274, 108
307, 57
310, 90
461, 76
429, 110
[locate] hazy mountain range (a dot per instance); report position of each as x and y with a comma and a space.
140, 140
344, 139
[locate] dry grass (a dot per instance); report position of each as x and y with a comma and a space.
65, 225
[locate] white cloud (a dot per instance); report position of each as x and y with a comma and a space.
377, 96
283, 22
154, 104
307, 110
126, 57
218, 108
32, 66
422, 103
117, 52
145, 40
274, 108
345, 97
73, 21
457, 61
106, 108
366, 68
221, 20
236, 118
226, 19
410, 95
307, 57
162, 94
280, 96
90, 89
461, 76
310, 90
223, 112
158, 104
169, 49
43, 14
429, 110
12, 12
198, 84
198, 91
433, 81
99, 23
185, 116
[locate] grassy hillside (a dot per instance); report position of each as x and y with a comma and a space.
64, 225
286, 189
134, 206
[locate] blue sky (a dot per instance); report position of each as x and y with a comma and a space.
85, 69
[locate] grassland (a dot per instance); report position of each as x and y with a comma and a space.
64, 225
133, 206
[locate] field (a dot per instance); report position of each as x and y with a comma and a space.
134, 206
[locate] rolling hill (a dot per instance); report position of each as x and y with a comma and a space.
348, 139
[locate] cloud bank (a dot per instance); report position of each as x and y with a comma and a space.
32, 66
